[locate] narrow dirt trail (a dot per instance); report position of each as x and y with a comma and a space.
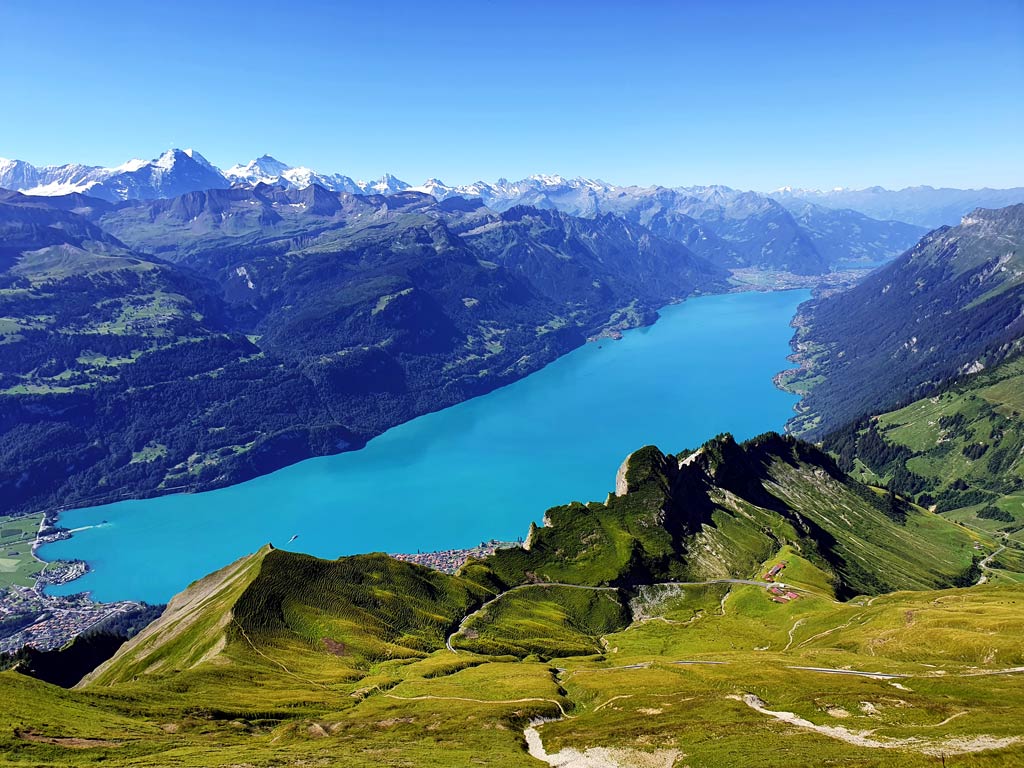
428, 697
983, 565
796, 625
469, 616
952, 746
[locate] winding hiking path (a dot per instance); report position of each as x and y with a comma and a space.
983, 565
469, 616
497, 597
951, 746
478, 701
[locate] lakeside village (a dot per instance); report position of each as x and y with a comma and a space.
28, 616
450, 560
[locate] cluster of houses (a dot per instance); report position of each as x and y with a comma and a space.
450, 560
46, 623
779, 596
778, 592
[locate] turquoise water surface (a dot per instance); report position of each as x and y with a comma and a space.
482, 469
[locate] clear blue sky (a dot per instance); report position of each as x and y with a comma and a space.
750, 94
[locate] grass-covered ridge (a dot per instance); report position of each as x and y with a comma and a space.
643, 623
960, 451
721, 510
717, 513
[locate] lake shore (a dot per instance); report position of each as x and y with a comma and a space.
476, 471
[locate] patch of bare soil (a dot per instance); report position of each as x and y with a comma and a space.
74, 742
333, 646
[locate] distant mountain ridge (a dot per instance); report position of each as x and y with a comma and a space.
922, 205
732, 228
951, 305
174, 172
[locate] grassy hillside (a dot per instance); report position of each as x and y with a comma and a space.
960, 451
641, 629
717, 513
677, 682
720, 511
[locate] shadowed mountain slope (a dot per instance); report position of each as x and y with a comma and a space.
951, 304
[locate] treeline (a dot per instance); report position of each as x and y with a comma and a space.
989, 439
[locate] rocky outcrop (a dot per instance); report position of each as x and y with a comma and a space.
621, 485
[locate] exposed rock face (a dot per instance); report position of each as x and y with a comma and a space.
530, 536
621, 486
691, 458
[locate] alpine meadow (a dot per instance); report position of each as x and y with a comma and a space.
681, 425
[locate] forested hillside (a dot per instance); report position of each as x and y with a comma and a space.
961, 450
196, 341
952, 304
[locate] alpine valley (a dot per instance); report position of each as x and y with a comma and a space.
844, 589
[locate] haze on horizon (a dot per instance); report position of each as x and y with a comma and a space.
813, 94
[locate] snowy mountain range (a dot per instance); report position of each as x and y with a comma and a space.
178, 171
175, 172
803, 231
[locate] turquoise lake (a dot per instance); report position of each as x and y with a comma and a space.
480, 470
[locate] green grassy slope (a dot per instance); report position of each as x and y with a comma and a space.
961, 450
277, 605
547, 620
191, 630
283, 659
634, 698
720, 511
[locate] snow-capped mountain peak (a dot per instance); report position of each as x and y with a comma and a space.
128, 167
270, 170
548, 180
388, 184
178, 171
173, 173
173, 157
191, 153
264, 169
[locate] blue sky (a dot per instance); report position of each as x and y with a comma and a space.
750, 94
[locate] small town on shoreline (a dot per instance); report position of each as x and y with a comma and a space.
31, 617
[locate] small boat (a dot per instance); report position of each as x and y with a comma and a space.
293, 538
